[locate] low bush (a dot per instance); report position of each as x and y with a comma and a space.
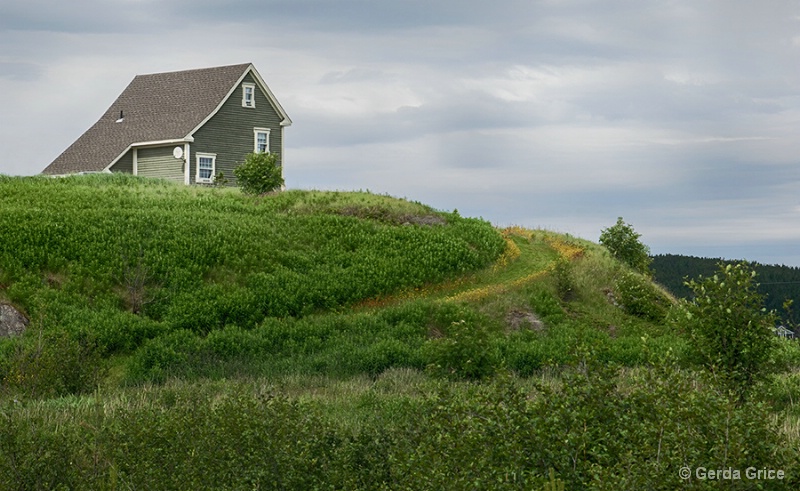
565, 280
523, 354
52, 363
595, 429
259, 173
547, 307
464, 352
213, 307
640, 297
375, 358
786, 355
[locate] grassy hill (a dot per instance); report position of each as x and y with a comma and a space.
195, 338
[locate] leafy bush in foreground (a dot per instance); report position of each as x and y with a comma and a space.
731, 331
597, 429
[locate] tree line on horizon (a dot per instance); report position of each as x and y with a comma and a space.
776, 283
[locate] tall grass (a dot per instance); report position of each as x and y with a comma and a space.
175, 257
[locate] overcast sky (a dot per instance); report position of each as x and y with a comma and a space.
682, 116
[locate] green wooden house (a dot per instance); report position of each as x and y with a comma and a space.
185, 126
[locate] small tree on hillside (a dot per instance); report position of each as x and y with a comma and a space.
731, 332
259, 174
623, 243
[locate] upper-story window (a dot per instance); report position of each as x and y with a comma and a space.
261, 140
248, 95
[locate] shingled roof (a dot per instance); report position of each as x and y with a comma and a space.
156, 107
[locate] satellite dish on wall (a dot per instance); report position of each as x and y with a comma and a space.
177, 152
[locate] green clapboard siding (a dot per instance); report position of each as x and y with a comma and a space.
124, 164
159, 162
229, 133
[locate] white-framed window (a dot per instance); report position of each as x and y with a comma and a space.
248, 95
261, 140
206, 165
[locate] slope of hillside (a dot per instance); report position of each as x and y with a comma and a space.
144, 256
190, 338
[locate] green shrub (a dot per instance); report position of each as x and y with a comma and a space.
732, 334
547, 307
260, 173
122, 331
594, 428
524, 356
639, 297
787, 355
565, 280
464, 352
131, 258
623, 243
783, 392
52, 363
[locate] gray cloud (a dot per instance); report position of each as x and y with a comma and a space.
19, 71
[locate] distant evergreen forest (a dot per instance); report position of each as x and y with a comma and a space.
776, 283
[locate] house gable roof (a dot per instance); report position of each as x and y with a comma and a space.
161, 107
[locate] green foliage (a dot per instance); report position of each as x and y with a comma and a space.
159, 357
623, 243
463, 352
565, 281
52, 364
131, 259
179, 439
452, 341
554, 484
220, 179
597, 429
594, 428
640, 297
383, 354
260, 173
731, 331
787, 355
789, 314
547, 306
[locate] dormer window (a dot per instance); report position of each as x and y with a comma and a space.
248, 95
